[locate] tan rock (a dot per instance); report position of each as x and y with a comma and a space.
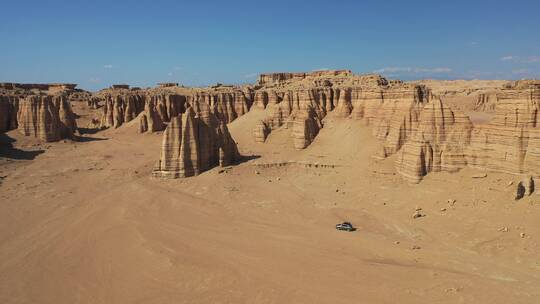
45, 117
194, 143
438, 143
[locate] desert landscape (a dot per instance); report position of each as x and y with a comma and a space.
231, 193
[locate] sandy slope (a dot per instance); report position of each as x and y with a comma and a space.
84, 223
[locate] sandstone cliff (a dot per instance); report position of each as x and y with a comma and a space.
160, 104
445, 139
193, 144
510, 142
437, 144
303, 101
46, 117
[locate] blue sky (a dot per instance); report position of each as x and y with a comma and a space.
97, 43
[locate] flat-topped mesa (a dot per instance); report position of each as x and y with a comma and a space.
268, 79
56, 87
167, 84
46, 117
120, 87
278, 78
193, 144
438, 143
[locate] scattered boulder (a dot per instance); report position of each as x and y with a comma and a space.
524, 188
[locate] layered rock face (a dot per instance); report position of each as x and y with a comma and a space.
437, 144
160, 104
121, 108
445, 140
34, 108
428, 135
392, 109
193, 144
486, 102
41, 86
281, 78
46, 117
510, 142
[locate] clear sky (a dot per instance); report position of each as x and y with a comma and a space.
96, 43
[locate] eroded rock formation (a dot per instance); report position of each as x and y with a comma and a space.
160, 104
437, 144
194, 143
428, 135
446, 140
46, 117
302, 102
510, 142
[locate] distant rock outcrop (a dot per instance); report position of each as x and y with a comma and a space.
151, 119
121, 108
193, 144
121, 105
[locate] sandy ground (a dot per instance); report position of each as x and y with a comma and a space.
83, 222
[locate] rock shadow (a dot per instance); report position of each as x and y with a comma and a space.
245, 158
8, 151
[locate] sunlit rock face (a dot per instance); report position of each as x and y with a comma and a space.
48, 118
194, 143
303, 100
438, 143
510, 142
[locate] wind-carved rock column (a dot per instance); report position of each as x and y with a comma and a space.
40, 117
193, 144
150, 119
68, 122
307, 122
